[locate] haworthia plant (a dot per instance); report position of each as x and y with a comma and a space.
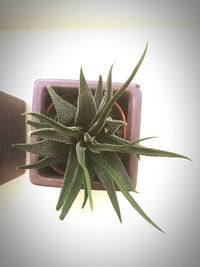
84, 139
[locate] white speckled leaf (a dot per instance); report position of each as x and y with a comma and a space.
98, 96
42, 163
45, 148
98, 125
53, 135
66, 112
86, 107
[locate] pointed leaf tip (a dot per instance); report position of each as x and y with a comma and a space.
86, 107
99, 123
81, 157
101, 163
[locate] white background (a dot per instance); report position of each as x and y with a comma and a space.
46, 43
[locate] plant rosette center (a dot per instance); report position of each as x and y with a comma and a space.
115, 123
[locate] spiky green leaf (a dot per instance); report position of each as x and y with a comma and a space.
52, 134
114, 139
98, 96
86, 107
99, 123
144, 139
74, 189
108, 88
132, 148
80, 152
85, 194
116, 163
45, 148
108, 138
37, 125
42, 163
66, 112
72, 164
99, 161
146, 151
109, 187
92, 174
65, 131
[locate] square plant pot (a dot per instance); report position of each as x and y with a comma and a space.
130, 102
12, 130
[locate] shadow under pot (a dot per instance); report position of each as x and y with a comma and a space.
128, 109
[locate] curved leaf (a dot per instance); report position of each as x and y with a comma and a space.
45, 148
99, 123
37, 125
52, 134
80, 152
132, 148
116, 163
45, 162
72, 164
109, 187
98, 96
74, 189
92, 174
66, 112
108, 89
86, 107
66, 131
112, 174
119, 140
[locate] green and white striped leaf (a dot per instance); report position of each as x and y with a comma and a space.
72, 192
37, 125
108, 185
132, 148
42, 163
53, 135
99, 161
66, 112
72, 164
65, 131
98, 96
108, 138
99, 123
116, 163
86, 107
80, 152
108, 88
107, 95
44, 148
119, 140
92, 174
146, 151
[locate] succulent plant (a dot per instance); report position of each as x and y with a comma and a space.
84, 138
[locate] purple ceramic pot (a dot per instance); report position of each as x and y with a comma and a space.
130, 102
12, 130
